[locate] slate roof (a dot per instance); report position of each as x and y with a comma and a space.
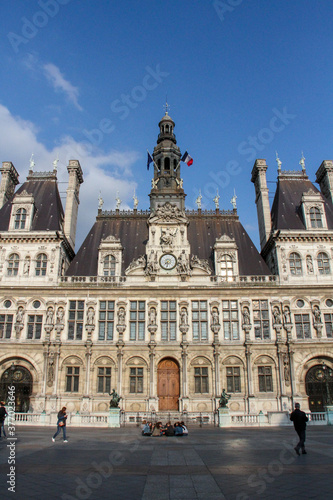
286, 210
132, 230
49, 211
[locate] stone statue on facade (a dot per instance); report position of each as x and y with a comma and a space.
182, 266
152, 316
246, 316
309, 264
316, 314
277, 316
216, 199
286, 315
198, 200
115, 398
183, 317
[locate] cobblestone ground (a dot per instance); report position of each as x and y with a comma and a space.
209, 464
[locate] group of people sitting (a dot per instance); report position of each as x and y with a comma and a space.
158, 429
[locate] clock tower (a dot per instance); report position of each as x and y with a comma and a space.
167, 186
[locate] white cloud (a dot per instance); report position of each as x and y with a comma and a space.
58, 81
107, 172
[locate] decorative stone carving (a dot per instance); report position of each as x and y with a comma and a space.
168, 236
60, 325
50, 370
317, 321
152, 264
200, 264
19, 321
90, 321
49, 321
183, 265
286, 369
286, 315
246, 316
215, 321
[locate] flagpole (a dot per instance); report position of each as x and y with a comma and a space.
153, 160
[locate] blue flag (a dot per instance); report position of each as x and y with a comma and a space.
149, 160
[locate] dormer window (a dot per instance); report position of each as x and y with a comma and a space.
315, 217
109, 266
20, 218
313, 210
226, 267
13, 265
295, 264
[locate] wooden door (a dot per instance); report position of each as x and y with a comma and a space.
168, 384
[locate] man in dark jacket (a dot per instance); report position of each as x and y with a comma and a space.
299, 418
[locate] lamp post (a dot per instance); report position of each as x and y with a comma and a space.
327, 374
12, 369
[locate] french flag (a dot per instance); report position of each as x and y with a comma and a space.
187, 159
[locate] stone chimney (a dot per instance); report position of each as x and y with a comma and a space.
324, 177
72, 200
262, 201
9, 179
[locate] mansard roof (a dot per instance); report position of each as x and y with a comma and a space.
49, 211
286, 209
131, 229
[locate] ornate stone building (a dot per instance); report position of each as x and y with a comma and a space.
168, 306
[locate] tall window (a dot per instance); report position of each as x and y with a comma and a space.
104, 380
261, 319
136, 380
109, 266
265, 378
75, 319
295, 264
328, 318
323, 263
20, 218
137, 319
72, 378
13, 264
233, 379
201, 379
6, 325
41, 264
230, 319
168, 319
199, 319
302, 323
227, 267
106, 320
315, 217
35, 326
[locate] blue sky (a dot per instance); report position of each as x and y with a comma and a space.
88, 79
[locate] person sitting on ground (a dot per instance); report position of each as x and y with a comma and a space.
156, 430
178, 429
185, 429
169, 430
147, 429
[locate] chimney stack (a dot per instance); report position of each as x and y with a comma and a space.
262, 201
9, 179
72, 200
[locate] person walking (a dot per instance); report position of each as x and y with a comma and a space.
3, 415
61, 424
299, 418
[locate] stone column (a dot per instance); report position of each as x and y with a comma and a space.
184, 388
280, 369
216, 354
292, 373
250, 394
46, 357
88, 361
152, 397
56, 375
120, 354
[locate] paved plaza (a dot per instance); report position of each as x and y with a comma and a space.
209, 464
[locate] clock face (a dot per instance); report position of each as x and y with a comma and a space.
168, 261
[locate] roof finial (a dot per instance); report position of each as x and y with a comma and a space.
118, 201
100, 201
302, 162
136, 201
55, 162
233, 201
32, 163
198, 200
279, 162
216, 199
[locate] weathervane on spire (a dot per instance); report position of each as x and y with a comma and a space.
166, 106
32, 163
302, 162
278, 161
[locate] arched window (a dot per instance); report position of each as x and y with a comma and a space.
295, 264
13, 264
323, 263
41, 264
315, 217
109, 266
20, 218
167, 164
227, 267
